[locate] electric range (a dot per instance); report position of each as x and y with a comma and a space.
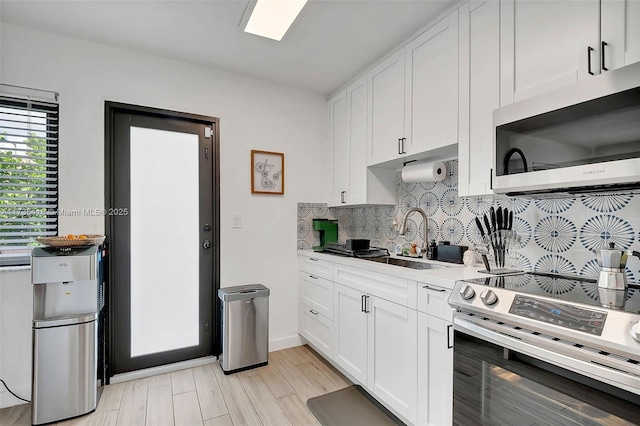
565, 321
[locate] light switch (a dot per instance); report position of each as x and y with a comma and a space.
236, 221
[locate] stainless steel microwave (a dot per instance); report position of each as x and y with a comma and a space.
581, 138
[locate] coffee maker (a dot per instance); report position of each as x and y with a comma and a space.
612, 262
328, 230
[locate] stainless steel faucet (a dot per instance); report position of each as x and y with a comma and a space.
403, 227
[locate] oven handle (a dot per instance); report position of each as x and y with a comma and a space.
626, 381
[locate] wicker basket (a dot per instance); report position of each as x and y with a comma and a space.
91, 240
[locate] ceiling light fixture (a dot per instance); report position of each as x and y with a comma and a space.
273, 18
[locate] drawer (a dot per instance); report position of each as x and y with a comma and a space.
318, 267
316, 329
316, 293
433, 300
388, 287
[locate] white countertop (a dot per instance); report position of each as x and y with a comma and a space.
443, 277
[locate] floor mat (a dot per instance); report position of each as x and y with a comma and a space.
351, 406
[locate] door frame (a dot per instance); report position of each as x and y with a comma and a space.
111, 108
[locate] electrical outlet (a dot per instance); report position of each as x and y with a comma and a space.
236, 221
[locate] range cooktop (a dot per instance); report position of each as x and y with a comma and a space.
568, 289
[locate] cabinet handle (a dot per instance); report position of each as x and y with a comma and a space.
604, 43
342, 196
403, 139
313, 276
363, 303
313, 259
313, 312
589, 50
399, 146
439, 290
449, 345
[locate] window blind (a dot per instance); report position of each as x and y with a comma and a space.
28, 175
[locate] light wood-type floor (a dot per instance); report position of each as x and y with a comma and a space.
272, 395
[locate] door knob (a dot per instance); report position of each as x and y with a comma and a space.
206, 244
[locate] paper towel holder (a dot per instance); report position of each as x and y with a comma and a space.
423, 171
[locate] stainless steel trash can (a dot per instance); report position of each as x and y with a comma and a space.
245, 327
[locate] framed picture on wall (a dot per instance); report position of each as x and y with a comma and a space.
267, 172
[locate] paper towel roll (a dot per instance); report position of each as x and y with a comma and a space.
424, 172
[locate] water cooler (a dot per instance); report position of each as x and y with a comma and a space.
68, 297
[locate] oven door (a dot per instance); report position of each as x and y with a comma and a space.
497, 385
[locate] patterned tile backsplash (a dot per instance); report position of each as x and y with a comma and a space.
557, 235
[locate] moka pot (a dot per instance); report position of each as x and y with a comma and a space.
612, 262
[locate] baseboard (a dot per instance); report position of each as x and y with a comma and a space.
8, 400
162, 369
285, 343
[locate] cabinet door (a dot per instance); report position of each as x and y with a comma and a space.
386, 109
435, 371
357, 119
350, 331
620, 33
338, 149
393, 355
479, 85
545, 45
431, 98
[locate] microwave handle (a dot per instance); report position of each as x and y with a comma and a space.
508, 156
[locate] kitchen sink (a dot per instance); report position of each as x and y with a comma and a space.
405, 263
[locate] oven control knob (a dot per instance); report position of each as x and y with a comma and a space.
635, 331
467, 292
488, 297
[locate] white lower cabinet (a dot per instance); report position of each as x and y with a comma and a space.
392, 366
350, 331
435, 355
391, 335
375, 342
317, 329
315, 307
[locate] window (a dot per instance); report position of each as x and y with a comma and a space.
28, 171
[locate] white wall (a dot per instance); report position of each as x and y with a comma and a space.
253, 115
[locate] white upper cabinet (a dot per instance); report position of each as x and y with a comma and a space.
479, 85
431, 87
357, 119
413, 107
546, 45
351, 182
386, 109
620, 33
338, 148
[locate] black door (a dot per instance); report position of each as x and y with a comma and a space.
162, 222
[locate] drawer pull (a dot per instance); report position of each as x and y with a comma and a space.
313, 259
313, 312
313, 276
439, 290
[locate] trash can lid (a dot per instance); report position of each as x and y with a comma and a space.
242, 292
